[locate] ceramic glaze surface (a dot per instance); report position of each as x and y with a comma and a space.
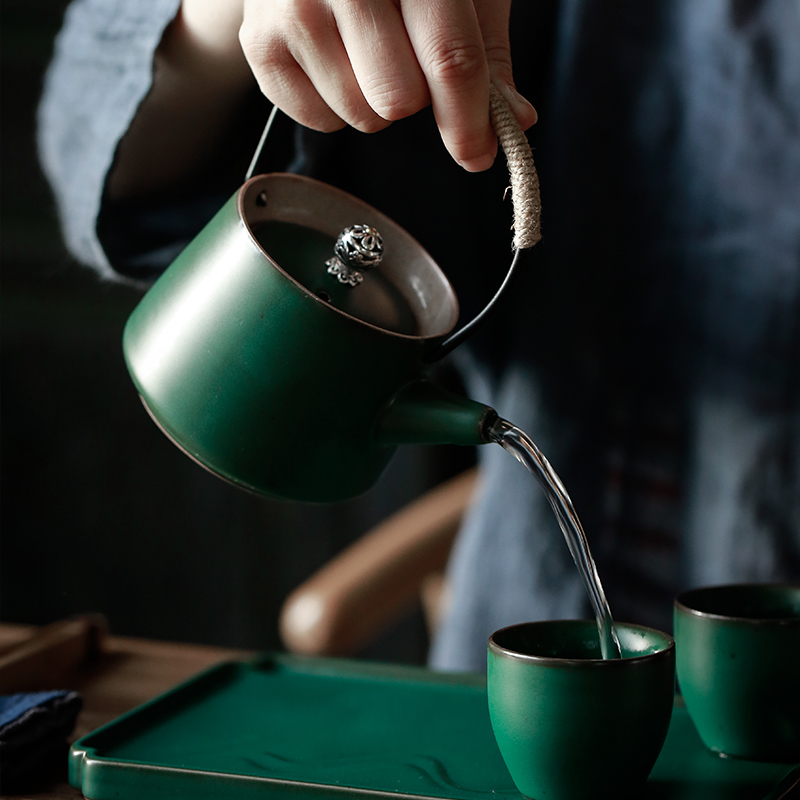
289, 728
738, 663
271, 387
562, 714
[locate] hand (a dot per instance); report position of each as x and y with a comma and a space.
367, 63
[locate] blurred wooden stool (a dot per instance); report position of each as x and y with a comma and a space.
372, 583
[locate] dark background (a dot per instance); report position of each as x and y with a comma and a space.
100, 513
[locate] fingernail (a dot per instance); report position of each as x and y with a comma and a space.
521, 107
478, 164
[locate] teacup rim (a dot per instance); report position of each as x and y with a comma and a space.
681, 604
604, 663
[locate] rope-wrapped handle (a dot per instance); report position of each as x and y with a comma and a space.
526, 202
524, 179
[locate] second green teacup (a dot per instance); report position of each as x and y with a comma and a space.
570, 724
738, 665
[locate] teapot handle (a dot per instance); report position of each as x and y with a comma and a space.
524, 198
522, 171
260, 146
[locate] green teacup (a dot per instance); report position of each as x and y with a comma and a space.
738, 665
570, 724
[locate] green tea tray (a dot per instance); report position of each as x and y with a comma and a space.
287, 727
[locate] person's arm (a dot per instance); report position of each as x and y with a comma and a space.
129, 116
326, 63
101, 70
118, 123
200, 77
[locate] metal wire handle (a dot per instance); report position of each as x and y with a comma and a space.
257, 155
525, 197
525, 200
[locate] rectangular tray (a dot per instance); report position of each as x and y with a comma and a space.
289, 727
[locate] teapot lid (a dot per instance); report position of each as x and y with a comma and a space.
331, 243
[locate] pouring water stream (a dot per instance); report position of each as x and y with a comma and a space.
522, 447
527, 210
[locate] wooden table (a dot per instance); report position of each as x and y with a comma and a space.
126, 673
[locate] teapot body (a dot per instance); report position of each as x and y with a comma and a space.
264, 382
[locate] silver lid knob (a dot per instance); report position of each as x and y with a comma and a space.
358, 249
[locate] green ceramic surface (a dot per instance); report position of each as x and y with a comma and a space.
293, 728
569, 724
276, 389
738, 665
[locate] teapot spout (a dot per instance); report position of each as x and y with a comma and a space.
422, 413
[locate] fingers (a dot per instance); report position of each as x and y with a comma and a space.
448, 42
329, 63
382, 57
273, 35
462, 45
493, 16
366, 63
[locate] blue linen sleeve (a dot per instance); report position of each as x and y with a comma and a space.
101, 71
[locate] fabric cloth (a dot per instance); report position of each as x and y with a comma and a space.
651, 344
103, 69
34, 727
671, 317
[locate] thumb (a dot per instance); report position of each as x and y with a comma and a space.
520, 107
493, 16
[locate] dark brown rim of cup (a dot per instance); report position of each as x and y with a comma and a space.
698, 602
604, 663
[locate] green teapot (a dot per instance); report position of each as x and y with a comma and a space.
285, 348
